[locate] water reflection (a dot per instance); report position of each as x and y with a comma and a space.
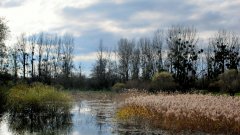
39, 123
88, 117
94, 117
2, 110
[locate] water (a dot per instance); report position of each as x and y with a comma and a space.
95, 117
87, 117
93, 113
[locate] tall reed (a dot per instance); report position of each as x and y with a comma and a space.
188, 112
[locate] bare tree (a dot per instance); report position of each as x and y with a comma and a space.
40, 43
67, 54
3, 50
125, 49
22, 48
3, 56
147, 58
111, 68
14, 61
135, 63
99, 69
48, 41
157, 49
33, 41
4, 30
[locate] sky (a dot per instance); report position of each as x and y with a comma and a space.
92, 20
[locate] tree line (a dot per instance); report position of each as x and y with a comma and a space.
38, 57
49, 58
176, 51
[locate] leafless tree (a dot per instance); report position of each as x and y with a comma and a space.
135, 63
4, 30
48, 41
67, 54
33, 41
40, 44
147, 58
157, 42
99, 69
22, 48
14, 62
125, 49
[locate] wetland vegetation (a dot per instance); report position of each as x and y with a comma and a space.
166, 83
183, 112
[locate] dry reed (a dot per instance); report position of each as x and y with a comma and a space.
183, 112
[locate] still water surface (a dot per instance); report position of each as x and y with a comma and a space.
88, 117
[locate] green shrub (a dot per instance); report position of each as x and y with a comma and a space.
163, 81
229, 81
37, 98
118, 87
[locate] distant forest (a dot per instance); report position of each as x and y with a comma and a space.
48, 58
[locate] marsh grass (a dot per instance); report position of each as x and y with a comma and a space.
183, 112
38, 98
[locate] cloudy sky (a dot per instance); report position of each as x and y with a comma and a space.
92, 20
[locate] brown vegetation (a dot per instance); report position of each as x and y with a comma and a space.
189, 112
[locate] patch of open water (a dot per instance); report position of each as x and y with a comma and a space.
88, 117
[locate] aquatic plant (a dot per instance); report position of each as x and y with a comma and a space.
178, 112
38, 98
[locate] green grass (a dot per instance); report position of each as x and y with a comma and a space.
38, 98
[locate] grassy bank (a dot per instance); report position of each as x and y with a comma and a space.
37, 98
183, 112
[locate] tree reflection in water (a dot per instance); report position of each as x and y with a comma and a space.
41, 124
2, 110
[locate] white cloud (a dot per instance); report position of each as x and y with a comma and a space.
34, 16
93, 56
148, 15
86, 57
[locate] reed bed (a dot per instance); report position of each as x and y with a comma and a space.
183, 112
